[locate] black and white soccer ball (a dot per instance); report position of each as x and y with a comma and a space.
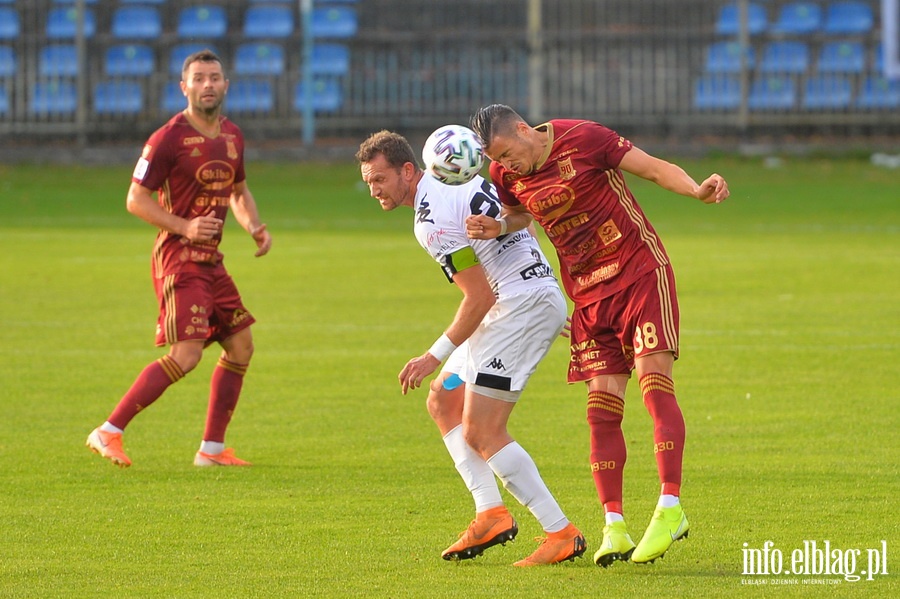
453, 154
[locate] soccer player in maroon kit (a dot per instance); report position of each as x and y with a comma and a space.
195, 163
567, 175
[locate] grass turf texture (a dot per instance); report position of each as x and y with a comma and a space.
788, 381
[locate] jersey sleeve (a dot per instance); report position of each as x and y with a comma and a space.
239, 174
498, 173
608, 147
440, 233
155, 163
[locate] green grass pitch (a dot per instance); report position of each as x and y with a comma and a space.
788, 379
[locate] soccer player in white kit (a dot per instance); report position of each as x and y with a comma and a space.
510, 314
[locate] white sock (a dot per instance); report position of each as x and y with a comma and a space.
520, 476
106, 427
475, 472
212, 447
667, 501
614, 517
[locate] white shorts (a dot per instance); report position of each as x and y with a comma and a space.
515, 335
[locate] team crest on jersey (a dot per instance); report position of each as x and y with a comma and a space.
566, 168
609, 232
232, 150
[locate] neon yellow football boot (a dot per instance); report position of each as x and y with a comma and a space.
616, 546
669, 524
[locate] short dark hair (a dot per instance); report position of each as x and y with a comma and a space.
493, 120
205, 55
393, 146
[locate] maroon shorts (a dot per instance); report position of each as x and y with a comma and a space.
641, 319
201, 305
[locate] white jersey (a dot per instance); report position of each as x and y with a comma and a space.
513, 263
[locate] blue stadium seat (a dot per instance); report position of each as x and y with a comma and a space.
62, 23
118, 97
728, 22
879, 59
725, 57
136, 22
842, 57
785, 57
7, 61
247, 95
879, 93
717, 92
259, 58
798, 18
330, 59
9, 24
333, 21
269, 21
172, 98
772, 93
326, 95
849, 17
54, 98
828, 92
4, 101
58, 60
182, 51
202, 21
129, 60
63, 1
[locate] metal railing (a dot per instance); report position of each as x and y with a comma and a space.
412, 65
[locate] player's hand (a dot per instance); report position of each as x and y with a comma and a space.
479, 226
263, 240
567, 328
713, 190
203, 228
416, 370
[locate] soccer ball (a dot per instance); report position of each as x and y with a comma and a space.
453, 154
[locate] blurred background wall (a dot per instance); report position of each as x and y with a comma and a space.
315, 74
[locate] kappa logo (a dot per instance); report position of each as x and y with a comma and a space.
496, 364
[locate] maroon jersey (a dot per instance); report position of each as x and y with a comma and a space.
578, 195
193, 175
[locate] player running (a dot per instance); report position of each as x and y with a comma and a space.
567, 175
511, 312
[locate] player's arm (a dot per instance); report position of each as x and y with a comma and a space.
480, 226
478, 297
670, 176
243, 205
140, 202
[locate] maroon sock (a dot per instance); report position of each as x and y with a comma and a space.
604, 414
224, 391
668, 429
146, 389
